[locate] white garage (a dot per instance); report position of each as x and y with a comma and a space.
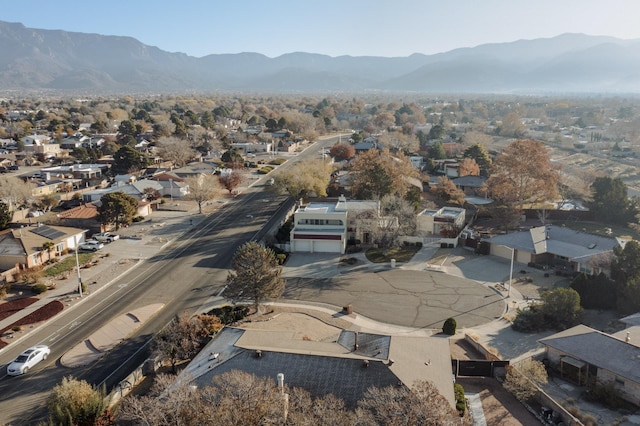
323, 243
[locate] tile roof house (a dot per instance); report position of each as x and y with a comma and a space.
84, 216
586, 356
27, 246
555, 247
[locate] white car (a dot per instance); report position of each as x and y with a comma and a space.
106, 237
91, 245
27, 359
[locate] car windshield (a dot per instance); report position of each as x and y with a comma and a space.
22, 358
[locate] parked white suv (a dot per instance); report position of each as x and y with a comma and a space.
91, 245
106, 237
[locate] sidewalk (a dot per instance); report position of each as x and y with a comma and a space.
138, 242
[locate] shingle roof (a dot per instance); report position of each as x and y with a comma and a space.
598, 349
561, 241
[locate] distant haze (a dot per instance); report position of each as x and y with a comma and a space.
33, 59
331, 27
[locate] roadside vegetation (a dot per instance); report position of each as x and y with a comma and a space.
400, 254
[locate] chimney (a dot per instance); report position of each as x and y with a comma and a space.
628, 338
280, 379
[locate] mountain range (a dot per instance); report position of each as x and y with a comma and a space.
55, 60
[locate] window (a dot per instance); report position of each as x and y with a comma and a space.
619, 381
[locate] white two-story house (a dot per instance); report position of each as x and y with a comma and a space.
327, 226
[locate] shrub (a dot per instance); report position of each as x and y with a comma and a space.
138, 219
38, 288
16, 328
281, 258
230, 314
461, 403
529, 320
449, 326
31, 275
604, 393
264, 170
278, 161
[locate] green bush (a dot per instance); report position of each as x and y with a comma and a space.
264, 170
529, 320
278, 161
461, 403
16, 328
229, 314
38, 288
449, 326
138, 219
281, 258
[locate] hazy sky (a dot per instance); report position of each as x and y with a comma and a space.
331, 27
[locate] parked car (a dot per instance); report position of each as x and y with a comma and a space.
28, 359
91, 245
14, 167
106, 237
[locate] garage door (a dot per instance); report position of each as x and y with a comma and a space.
327, 247
302, 245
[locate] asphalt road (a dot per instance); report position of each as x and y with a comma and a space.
183, 277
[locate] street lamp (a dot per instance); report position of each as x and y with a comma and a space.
511, 270
75, 239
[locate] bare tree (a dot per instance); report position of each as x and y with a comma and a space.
378, 173
202, 189
230, 181
255, 275
176, 150
448, 192
14, 192
523, 173
396, 217
398, 405
523, 380
181, 339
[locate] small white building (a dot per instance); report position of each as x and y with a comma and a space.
433, 222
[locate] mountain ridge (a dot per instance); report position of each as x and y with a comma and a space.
57, 60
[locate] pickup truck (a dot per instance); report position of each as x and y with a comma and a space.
106, 237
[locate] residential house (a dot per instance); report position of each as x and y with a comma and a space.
196, 170
377, 360
443, 220
327, 226
252, 147
82, 175
40, 145
556, 247
172, 185
470, 185
137, 189
80, 140
84, 216
589, 356
366, 145
34, 245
